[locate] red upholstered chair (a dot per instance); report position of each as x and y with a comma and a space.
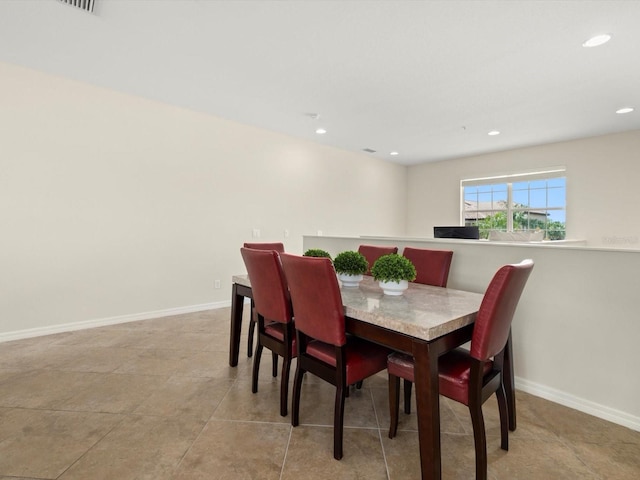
275, 316
432, 268
471, 377
278, 247
324, 348
374, 252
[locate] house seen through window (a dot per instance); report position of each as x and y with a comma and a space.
532, 205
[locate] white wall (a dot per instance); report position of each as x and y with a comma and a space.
575, 331
113, 206
602, 193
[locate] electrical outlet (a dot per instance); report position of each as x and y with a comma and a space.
217, 284
286, 233
319, 233
256, 233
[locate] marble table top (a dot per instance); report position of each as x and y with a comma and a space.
422, 311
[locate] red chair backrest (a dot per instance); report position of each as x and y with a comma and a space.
432, 266
278, 247
316, 298
268, 284
374, 252
493, 322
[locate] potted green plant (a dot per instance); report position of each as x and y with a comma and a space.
317, 252
393, 272
350, 266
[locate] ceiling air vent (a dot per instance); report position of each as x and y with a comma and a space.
86, 5
368, 150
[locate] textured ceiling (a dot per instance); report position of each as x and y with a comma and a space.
428, 79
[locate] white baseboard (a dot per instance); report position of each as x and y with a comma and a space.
563, 398
103, 322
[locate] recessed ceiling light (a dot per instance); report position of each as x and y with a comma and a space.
393, 153
321, 131
493, 133
625, 110
597, 40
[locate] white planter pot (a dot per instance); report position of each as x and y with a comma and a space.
349, 280
394, 288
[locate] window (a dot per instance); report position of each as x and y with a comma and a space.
521, 203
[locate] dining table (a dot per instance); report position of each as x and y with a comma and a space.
425, 322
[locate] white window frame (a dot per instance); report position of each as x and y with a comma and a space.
509, 179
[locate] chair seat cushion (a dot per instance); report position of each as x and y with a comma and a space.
401, 365
455, 369
363, 358
276, 330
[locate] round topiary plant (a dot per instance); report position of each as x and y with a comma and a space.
393, 268
350, 263
317, 252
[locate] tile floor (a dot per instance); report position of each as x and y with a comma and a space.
157, 400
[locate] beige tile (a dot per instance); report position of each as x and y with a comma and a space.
402, 455
189, 341
44, 388
449, 422
115, 393
42, 443
573, 425
245, 368
21, 478
6, 375
317, 406
140, 447
23, 354
491, 415
241, 405
457, 460
173, 375
32, 356
82, 358
112, 336
207, 364
614, 461
186, 396
155, 361
236, 451
310, 455
12, 421
216, 322
536, 460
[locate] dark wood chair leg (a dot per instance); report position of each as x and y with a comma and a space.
338, 421
407, 396
394, 404
256, 369
237, 307
509, 382
274, 362
295, 401
504, 418
479, 438
252, 329
284, 386
359, 384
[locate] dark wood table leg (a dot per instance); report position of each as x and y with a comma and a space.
237, 306
509, 383
428, 408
